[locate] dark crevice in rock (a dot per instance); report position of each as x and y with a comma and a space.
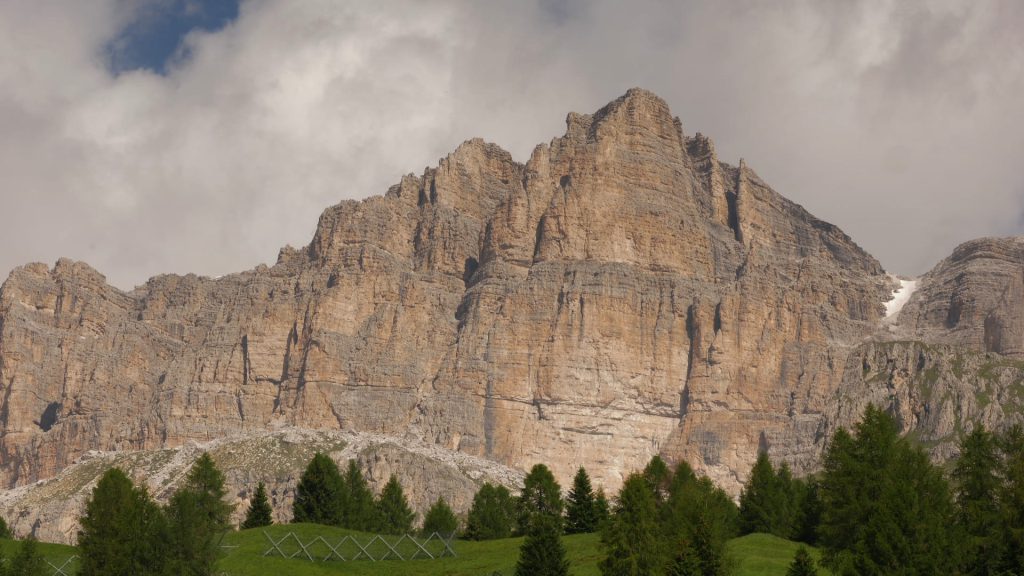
49, 416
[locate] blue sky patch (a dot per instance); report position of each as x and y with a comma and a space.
153, 39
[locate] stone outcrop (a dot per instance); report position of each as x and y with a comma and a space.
623, 293
952, 358
50, 508
974, 299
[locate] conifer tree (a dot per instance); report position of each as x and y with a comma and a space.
977, 502
260, 513
808, 514
393, 512
685, 563
320, 493
492, 514
761, 500
440, 520
198, 516
700, 517
602, 510
581, 508
1011, 500
360, 511
5, 531
803, 564
28, 561
541, 497
542, 552
123, 532
630, 538
658, 478
885, 508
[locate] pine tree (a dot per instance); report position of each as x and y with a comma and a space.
541, 497
630, 538
1011, 500
761, 500
198, 517
440, 520
977, 502
685, 563
542, 552
803, 564
28, 561
581, 509
360, 511
602, 510
320, 493
700, 517
206, 481
658, 478
5, 531
260, 513
492, 514
393, 512
808, 514
885, 508
123, 532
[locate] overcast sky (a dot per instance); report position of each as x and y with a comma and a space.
175, 136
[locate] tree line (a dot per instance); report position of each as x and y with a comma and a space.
880, 506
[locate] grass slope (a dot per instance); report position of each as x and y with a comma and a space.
752, 555
56, 554
766, 555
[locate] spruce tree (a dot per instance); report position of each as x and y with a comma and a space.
602, 510
1011, 500
320, 493
360, 511
541, 497
808, 514
123, 532
700, 517
393, 512
803, 564
658, 477
685, 563
630, 538
260, 513
492, 514
198, 516
440, 520
977, 495
761, 500
885, 508
581, 508
542, 552
28, 561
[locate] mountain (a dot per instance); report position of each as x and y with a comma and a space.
623, 293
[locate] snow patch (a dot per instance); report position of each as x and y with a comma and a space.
900, 296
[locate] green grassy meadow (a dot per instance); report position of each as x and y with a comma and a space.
752, 555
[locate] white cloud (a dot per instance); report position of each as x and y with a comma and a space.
297, 105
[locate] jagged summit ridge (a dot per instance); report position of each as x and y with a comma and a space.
622, 293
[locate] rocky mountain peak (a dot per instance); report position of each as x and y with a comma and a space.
624, 293
973, 298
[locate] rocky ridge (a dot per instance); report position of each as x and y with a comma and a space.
50, 508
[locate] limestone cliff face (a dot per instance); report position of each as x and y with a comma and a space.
624, 293
974, 298
953, 357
